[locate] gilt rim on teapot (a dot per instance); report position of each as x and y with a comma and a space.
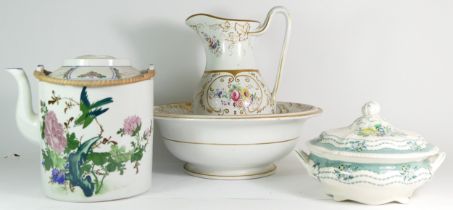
41, 76
94, 71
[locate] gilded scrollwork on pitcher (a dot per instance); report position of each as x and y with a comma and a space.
232, 33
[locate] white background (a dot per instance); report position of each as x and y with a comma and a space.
342, 54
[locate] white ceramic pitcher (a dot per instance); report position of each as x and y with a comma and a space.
231, 83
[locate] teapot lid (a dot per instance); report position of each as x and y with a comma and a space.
94, 70
371, 136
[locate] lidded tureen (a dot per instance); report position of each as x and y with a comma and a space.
94, 126
371, 161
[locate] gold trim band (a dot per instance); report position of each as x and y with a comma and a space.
257, 175
216, 144
221, 18
233, 72
310, 111
98, 83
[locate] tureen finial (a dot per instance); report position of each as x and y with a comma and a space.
371, 108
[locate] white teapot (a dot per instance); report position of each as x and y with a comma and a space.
95, 136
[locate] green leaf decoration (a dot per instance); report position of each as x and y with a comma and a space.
136, 156
43, 115
73, 143
120, 132
139, 127
57, 160
42, 129
119, 154
43, 106
86, 168
46, 161
52, 159
99, 158
111, 167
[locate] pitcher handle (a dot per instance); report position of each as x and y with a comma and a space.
263, 28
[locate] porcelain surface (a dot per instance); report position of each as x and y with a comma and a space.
91, 67
231, 83
233, 147
371, 161
95, 144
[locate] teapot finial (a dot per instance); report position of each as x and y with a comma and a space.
40, 67
371, 108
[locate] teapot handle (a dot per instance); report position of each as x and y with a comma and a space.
263, 28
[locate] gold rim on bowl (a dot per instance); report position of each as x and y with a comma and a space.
304, 111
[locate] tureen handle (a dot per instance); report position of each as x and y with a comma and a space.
436, 161
305, 160
263, 27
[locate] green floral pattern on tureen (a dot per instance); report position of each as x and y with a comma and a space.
351, 173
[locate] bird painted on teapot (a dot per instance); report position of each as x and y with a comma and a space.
232, 83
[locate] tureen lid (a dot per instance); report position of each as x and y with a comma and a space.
370, 136
94, 70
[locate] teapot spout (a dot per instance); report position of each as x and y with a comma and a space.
27, 120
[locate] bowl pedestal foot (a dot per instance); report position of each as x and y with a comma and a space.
229, 174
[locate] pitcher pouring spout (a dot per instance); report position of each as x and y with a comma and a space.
226, 41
